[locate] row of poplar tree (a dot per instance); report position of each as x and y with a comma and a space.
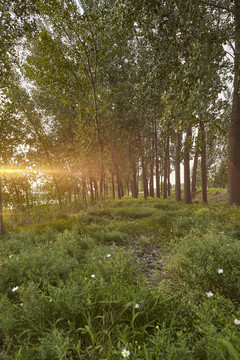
108, 97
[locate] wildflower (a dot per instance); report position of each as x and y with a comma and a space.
136, 306
209, 294
109, 255
14, 288
157, 327
125, 353
220, 271
21, 304
50, 300
93, 276
237, 322
10, 256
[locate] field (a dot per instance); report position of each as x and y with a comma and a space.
141, 279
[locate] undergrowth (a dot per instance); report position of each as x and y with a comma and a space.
81, 288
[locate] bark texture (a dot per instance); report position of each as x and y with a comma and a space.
177, 168
2, 231
156, 161
187, 192
203, 163
166, 157
195, 165
234, 136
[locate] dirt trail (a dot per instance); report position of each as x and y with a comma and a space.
150, 258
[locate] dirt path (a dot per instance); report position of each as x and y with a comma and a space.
149, 260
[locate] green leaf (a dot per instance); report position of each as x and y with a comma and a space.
229, 347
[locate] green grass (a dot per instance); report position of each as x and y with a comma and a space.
79, 279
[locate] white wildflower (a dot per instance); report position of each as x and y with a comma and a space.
125, 353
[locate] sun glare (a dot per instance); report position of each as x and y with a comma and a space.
27, 171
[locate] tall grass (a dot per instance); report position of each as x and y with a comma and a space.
81, 287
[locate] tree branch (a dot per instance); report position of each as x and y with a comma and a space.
231, 45
230, 54
216, 6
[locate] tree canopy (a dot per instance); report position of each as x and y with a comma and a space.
97, 94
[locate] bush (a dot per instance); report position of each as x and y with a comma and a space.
196, 260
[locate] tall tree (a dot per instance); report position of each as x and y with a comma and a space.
234, 136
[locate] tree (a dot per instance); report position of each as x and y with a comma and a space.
234, 135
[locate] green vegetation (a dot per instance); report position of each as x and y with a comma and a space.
131, 274
105, 100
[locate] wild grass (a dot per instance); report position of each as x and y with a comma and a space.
85, 287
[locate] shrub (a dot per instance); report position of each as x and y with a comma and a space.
196, 260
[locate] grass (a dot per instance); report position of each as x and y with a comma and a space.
78, 280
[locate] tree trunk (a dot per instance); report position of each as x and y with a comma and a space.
113, 184
84, 195
194, 174
137, 181
119, 185
105, 186
134, 175
2, 231
156, 161
187, 192
151, 179
169, 171
165, 187
17, 193
91, 191
96, 189
151, 182
27, 200
203, 163
117, 173
144, 178
195, 164
177, 168
122, 190
70, 196
58, 193
98, 135
234, 136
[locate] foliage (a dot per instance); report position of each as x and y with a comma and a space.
93, 289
